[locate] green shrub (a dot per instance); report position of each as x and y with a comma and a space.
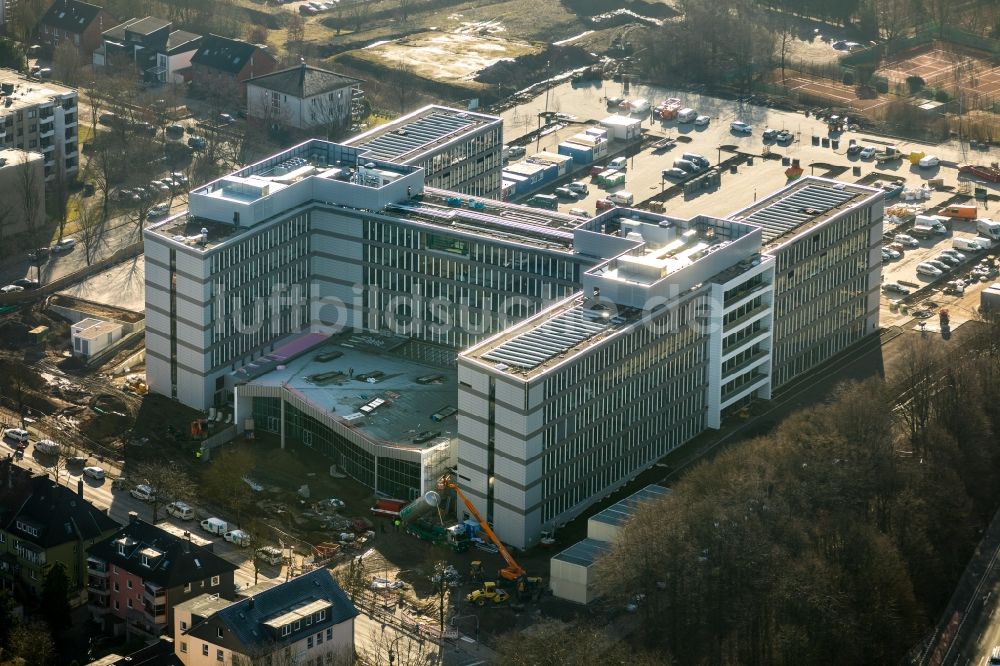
848, 78
942, 95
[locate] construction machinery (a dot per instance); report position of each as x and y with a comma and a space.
489, 592
529, 588
513, 571
476, 570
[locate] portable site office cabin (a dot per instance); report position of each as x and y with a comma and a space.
622, 128
572, 573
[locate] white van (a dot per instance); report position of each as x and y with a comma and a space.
686, 115
238, 537
622, 198
180, 510
988, 228
966, 244
619, 163
214, 525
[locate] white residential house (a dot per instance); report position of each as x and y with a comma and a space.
302, 97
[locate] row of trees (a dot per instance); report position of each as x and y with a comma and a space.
836, 539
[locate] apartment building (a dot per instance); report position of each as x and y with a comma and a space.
79, 23
221, 63
22, 181
139, 573
43, 524
458, 150
306, 620
158, 51
40, 116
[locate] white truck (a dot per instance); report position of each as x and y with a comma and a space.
988, 228
966, 244
931, 223
215, 526
622, 198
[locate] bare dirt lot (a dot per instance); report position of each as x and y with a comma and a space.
835, 92
448, 57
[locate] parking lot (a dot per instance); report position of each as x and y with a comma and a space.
717, 141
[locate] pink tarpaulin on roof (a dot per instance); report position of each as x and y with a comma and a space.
296, 347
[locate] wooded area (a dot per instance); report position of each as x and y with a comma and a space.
836, 539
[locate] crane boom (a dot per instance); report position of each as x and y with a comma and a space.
513, 570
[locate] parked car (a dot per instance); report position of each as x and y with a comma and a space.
76, 461
47, 447
895, 287
16, 434
176, 130
11, 289
25, 283
701, 121
908, 241
94, 472
947, 259
226, 119
65, 245
143, 492
566, 193
895, 254
769, 134
675, 173
740, 127
853, 147
179, 177
270, 554
784, 136
868, 152
238, 537
940, 265
898, 247
928, 161
180, 510
38, 255
929, 270
197, 142
604, 204
954, 253
579, 187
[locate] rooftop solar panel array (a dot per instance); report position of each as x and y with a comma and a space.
417, 135
620, 512
549, 339
584, 553
798, 208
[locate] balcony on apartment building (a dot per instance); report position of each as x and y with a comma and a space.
46, 130
46, 113
153, 594
98, 586
97, 567
30, 553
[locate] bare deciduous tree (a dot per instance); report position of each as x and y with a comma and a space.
170, 483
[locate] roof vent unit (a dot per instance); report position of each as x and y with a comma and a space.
204, 235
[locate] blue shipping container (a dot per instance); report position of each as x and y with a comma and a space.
581, 155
